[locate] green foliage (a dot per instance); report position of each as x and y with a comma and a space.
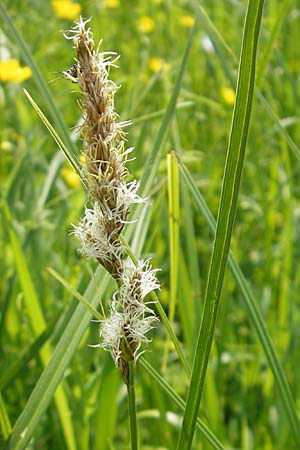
251, 390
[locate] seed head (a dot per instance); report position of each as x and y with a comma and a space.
110, 196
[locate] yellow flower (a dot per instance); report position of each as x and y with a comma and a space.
12, 71
228, 95
66, 9
70, 177
112, 3
6, 146
146, 24
158, 65
186, 21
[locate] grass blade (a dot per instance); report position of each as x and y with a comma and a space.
54, 134
293, 147
76, 294
132, 407
226, 215
173, 194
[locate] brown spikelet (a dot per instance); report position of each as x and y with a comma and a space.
110, 196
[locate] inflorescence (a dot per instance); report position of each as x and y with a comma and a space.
110, 197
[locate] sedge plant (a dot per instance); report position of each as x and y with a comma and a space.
110, 197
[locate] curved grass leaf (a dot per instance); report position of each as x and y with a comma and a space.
93, 311
226, 216
173, 196
55, 136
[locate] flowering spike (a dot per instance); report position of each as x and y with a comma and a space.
110, 195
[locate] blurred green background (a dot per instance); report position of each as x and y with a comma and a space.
240, 404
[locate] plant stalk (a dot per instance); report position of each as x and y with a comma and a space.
226, 216
132, 406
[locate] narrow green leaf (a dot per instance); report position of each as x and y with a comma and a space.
173, 196
186, 305
226, 215
173, 215
30, 296
190, 244
55, 135
132, 406
278, 124
54, 167
75, 294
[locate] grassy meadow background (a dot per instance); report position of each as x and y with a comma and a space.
41, 197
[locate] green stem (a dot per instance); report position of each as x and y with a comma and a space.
132, 405
226, 216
